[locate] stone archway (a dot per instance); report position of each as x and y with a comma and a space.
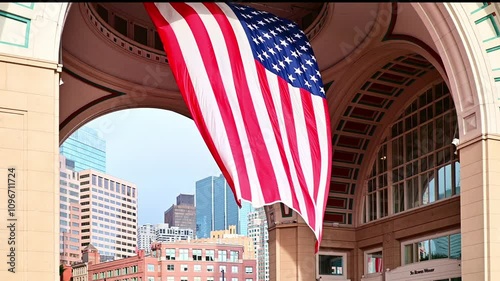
30, 120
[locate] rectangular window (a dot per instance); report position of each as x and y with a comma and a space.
437, 247
141, 34
170, 254
197, 255
121, 25
234, 269
210, 268
222, 267
170, 267
210, 255
158, 43
233, 256
184, 267
222, 255
248, 269
197, 268
331, 264
373, 261
151, 268
183, 254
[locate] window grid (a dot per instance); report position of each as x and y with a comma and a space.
415, 164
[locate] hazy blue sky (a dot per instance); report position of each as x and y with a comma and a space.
160, 151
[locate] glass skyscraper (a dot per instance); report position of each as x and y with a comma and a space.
86, 149
216, 208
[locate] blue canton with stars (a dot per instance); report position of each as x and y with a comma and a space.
281, 47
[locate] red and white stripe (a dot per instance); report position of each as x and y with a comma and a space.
270, 139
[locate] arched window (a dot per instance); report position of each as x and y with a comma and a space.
416, 162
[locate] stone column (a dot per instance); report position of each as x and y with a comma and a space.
291, 245
480, 209
29, 144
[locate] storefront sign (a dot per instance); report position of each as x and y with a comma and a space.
425, 270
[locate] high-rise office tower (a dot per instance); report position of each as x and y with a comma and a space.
182, 214
109, 214
216, 208
69, 214
257, 230
87, 150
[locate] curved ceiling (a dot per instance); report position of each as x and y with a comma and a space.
342, 29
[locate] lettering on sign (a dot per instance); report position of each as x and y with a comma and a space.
425, 270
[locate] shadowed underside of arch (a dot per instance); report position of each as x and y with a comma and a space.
356, 127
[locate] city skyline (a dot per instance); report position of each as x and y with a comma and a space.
170, 136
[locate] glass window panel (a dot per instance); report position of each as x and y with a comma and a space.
331, 265
374, 262
448, 180
439, 247
457, 178
383, 203
121, 25
456, 246
441, 183
409, 253
398, 197
423, 250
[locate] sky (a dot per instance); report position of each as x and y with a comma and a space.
160, 151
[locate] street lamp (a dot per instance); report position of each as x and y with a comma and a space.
222, 271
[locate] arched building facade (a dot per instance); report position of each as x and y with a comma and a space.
413, 90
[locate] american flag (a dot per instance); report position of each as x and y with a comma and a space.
253, 87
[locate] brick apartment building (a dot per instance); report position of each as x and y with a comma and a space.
179, 261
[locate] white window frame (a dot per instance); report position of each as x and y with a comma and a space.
332, 277
366, 253
422, 238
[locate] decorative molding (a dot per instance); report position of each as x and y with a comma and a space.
120, 40
318, 24
390, 35
112, 94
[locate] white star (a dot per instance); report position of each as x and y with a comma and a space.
260, 39
289, 39
267, 35
317, 73
288, 60
277, 47
265, 54
255, 26
314, 59
275, 66
308, 62
294, 54
281, 63
303, 67
313, 78
284, 43
297, 35
267, 20
291, 77
307, 84
255, 40
260, 57
303, 48
261, 22
255, 12
308, 44
273, 33
250, 26
290, 25
298, 52
271, 51
298, 71
321, 90
278, 29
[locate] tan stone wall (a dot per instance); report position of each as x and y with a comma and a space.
29, 138
480, 162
